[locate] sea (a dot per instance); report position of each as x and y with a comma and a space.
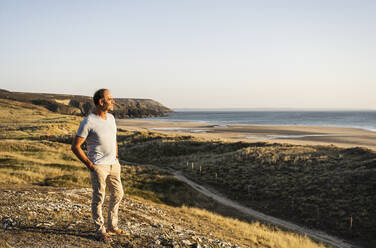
354, 119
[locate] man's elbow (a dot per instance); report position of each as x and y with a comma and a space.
76, 144
73, 148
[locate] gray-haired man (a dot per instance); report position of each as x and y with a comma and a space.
99, 130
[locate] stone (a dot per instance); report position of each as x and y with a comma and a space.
45, 224
186, 242
195, 245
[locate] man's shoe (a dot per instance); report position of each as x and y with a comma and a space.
116, 231
105, 237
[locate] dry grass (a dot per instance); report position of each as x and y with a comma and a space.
45, 167
254, 234
35, 149
27, 121
321, 187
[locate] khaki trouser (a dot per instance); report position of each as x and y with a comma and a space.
106, 174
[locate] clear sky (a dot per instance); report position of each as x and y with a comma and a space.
195, 53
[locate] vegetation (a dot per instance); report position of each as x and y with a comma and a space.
322, 187
83, 105
35, 151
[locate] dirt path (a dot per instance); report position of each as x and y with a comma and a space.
314, 234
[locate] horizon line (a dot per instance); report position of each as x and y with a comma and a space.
273, 109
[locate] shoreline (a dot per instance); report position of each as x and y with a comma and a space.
291, 134
370, 129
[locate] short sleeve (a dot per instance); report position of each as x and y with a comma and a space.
83, 130
114, 121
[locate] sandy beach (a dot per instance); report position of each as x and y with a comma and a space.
303, 135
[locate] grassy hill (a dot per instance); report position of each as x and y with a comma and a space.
83, 105
45, 199
321, 187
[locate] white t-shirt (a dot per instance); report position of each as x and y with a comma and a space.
100, 136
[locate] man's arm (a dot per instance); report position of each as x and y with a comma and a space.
77, 150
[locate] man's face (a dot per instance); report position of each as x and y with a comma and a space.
108, 101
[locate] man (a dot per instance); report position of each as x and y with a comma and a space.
99, 130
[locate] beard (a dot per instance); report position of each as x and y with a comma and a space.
108, 107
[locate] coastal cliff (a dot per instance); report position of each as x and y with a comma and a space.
83, 105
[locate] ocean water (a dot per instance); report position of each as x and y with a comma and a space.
356, 119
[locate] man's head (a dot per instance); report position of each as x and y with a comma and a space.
103, 100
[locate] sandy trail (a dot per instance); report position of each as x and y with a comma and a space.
314, 234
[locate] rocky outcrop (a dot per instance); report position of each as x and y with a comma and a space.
83, 105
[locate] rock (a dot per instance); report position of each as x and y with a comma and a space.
195, 245
198, 239
45, 224
186, 242
8, 223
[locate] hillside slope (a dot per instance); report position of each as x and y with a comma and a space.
321, 187
82, 105
35, 216
45, 200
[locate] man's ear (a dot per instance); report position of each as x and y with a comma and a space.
101, 102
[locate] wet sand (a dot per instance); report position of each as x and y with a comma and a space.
303, 135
